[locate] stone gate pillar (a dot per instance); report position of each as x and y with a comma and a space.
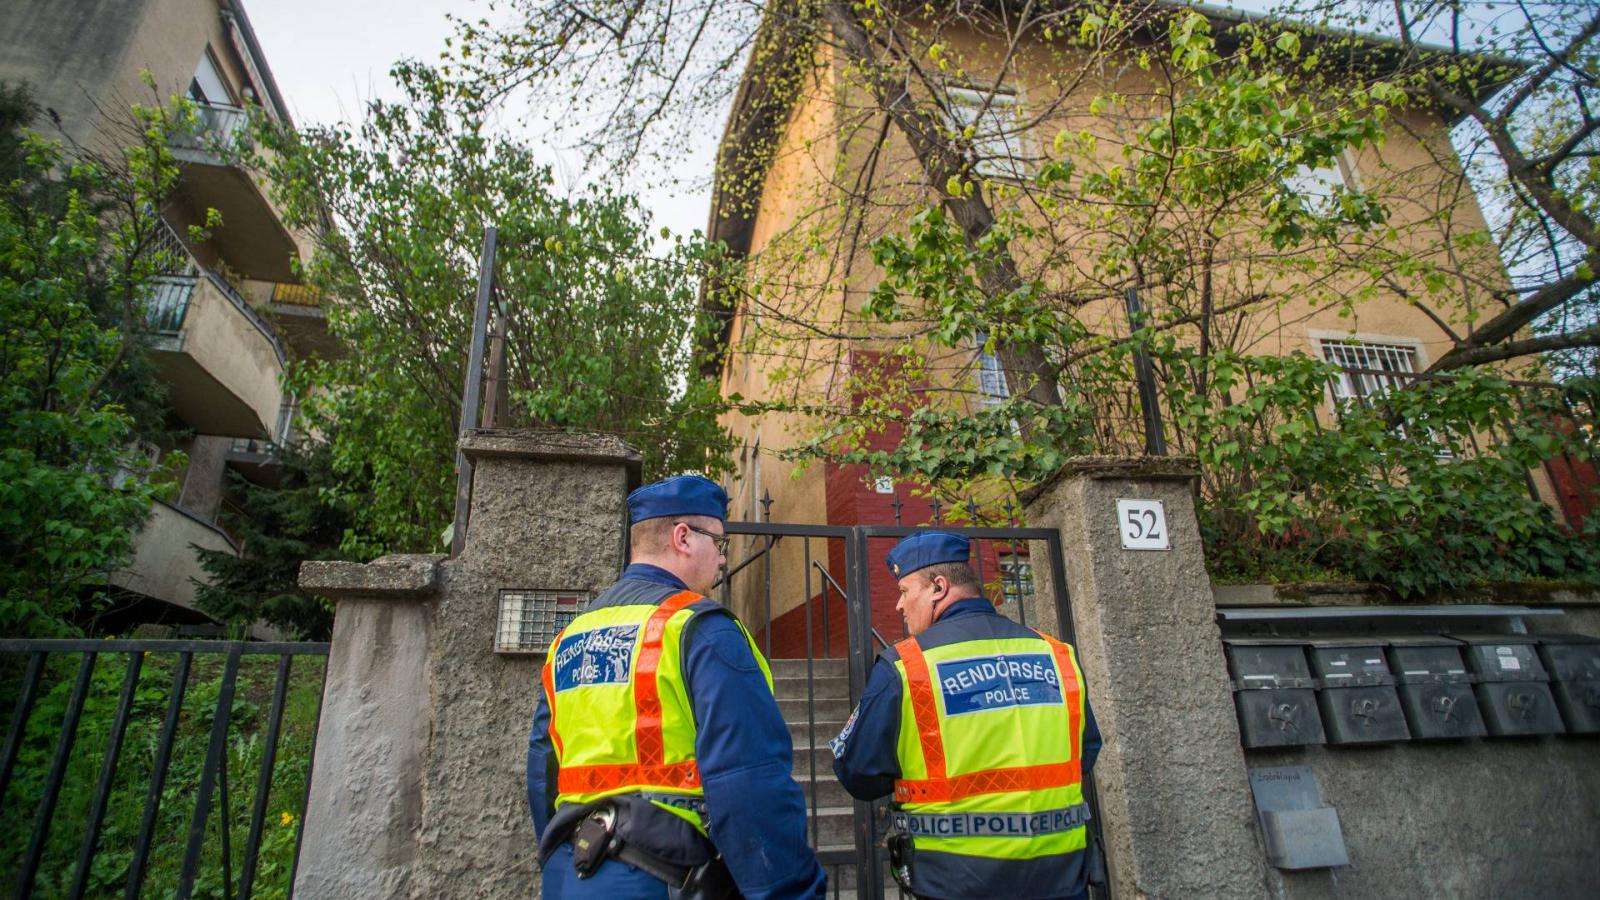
418, 787
1174, 798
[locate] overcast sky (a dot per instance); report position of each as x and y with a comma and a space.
331, 56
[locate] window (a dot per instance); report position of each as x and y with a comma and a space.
992, 389
208, 86
1384, 367
1318, 185
1372, 370
1016, 578
996, 138
530, 620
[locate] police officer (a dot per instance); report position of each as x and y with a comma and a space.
981, 730
658, 759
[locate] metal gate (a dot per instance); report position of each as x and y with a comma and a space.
136, 797
844, 617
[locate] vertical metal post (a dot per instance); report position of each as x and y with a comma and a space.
108, 773
158, 776
495, 388
216, 760
471, 395
269, 756
19, 718
869, 880
1144, 374
58, 771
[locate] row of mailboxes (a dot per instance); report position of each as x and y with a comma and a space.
1367, 690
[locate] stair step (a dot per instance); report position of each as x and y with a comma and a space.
828, 791
821, 668
821, 687
826, 730
832, 709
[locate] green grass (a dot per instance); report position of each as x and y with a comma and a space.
114, 850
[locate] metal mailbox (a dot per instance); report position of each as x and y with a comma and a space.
1274, 693
1358, 700
1512, 687
1435, 688
1574, 665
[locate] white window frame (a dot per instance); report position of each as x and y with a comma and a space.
992, 387
1398, 355
1002, 149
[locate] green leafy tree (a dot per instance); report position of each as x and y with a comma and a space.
279, 526
77, 248
598, 324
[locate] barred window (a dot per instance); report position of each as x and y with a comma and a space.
1371, 370
530, 620
1379, 360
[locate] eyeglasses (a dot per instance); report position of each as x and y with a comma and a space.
721, 540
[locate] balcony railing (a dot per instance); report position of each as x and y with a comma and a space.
296, 294
215, 127
168, 303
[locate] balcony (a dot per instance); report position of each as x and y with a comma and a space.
297, 311
164, 565
252, 237
221, 362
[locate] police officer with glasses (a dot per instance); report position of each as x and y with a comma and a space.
980, 729
659, 765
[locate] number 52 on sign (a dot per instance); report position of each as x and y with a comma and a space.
1143, 524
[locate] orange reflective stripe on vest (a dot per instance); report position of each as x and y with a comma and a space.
547, 676
939, 788
649, 768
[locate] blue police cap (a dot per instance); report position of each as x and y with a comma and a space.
930, 548
685, 495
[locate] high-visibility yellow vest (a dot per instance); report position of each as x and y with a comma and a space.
990, 749
620, 719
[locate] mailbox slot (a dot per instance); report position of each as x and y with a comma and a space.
1435, 689
1358, 700
1274, 694
1573, 662
1512, 690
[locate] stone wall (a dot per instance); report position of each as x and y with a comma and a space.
418, 786
1475, 818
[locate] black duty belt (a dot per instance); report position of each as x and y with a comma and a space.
595, 840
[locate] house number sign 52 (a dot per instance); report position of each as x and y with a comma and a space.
1143, 524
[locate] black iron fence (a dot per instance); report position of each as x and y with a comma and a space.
125, 760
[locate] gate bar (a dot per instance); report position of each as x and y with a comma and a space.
216, 757
158, 776
108, 772
19, 718
269, 756
58, 770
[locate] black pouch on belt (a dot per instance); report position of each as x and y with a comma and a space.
900, 858
591, 842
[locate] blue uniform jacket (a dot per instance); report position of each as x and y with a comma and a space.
864, 754
757, 812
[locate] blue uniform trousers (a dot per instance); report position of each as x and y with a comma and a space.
613, 879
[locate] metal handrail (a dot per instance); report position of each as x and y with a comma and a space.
214, 119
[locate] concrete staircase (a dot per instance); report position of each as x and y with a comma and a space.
816, 711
